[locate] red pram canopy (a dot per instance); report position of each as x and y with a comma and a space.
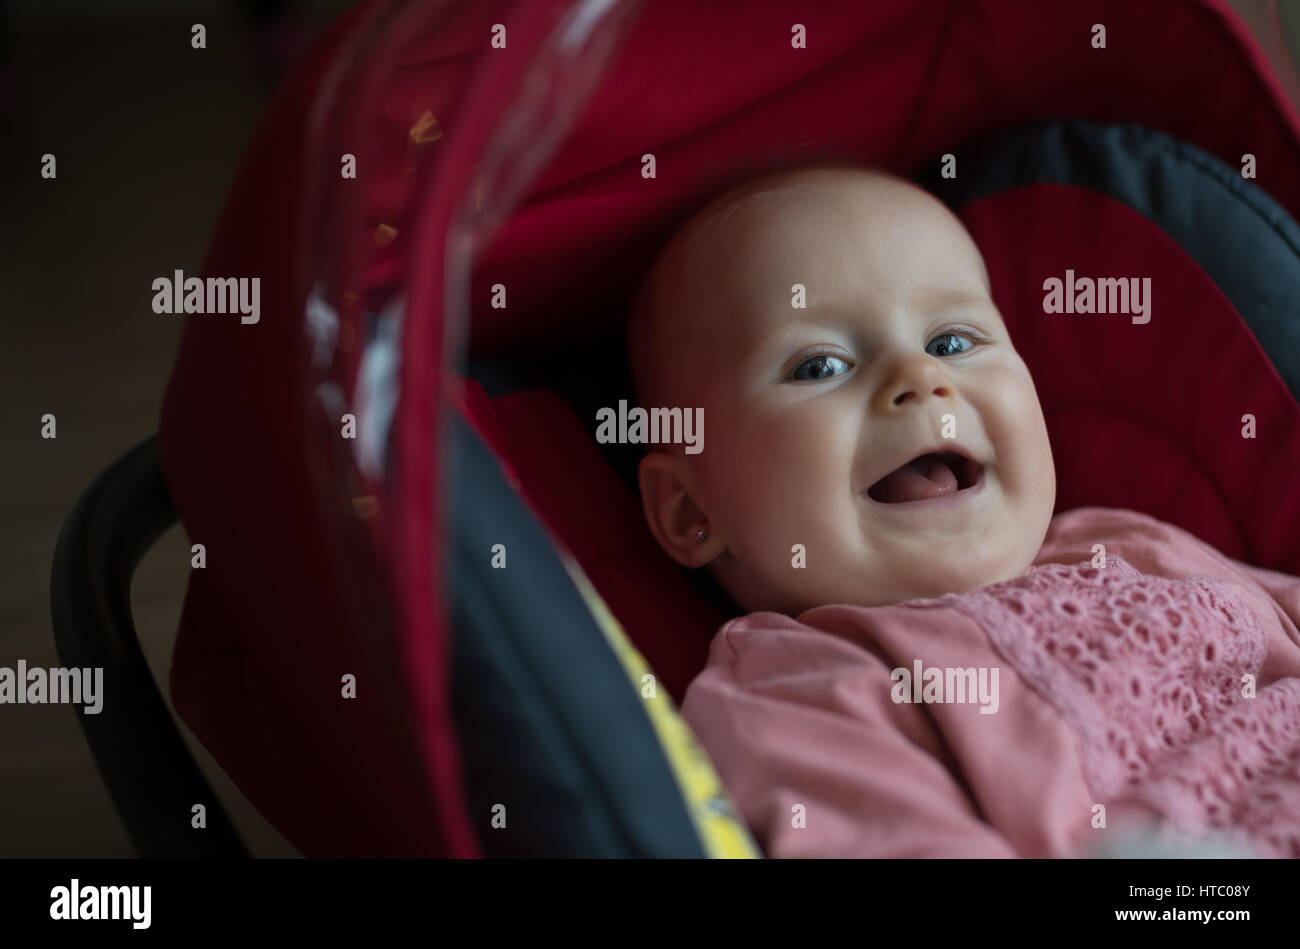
501, 145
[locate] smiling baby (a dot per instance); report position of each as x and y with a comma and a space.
830, 418
877, 497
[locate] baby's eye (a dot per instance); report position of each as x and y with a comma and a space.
946, 348
819, 367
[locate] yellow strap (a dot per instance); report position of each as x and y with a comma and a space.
720, 828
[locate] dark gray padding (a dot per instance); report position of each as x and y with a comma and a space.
548, 721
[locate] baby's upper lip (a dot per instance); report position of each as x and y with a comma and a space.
895, 462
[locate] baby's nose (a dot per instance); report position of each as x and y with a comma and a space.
939, 392
915, 380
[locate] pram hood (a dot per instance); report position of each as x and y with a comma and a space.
518, 165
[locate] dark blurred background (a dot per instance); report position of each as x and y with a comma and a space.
148, 133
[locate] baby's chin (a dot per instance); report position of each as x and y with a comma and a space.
931, 581
884, 581
937, 580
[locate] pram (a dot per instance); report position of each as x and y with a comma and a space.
430, 620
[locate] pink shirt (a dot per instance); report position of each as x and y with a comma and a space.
1127, 686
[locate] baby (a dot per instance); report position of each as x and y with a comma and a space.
877, 496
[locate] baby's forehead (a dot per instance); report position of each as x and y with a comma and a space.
761, 199
833, 230
729, 273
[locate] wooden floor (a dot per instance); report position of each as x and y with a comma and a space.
147, 134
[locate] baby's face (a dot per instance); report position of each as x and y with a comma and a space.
811, 412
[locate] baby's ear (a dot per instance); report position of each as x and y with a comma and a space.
673, 517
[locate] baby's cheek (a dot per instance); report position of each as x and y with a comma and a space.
1013, 421
778, 471
1025, 468
805, 537
764, 502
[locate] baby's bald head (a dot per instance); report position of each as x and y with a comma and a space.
679, 300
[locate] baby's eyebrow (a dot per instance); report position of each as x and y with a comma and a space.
789, 329
799, 322
832, 315
838, 317
953, 299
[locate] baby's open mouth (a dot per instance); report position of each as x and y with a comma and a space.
927, 476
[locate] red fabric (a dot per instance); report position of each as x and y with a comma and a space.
233, 449
277, 617
890, 82
1146, 416
297, 592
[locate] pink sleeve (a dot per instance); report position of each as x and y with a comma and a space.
824, 735
1282, 587
1161, 549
